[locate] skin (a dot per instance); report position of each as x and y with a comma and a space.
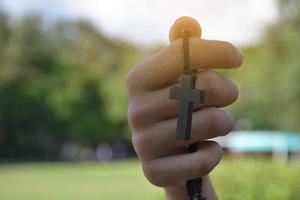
152, 115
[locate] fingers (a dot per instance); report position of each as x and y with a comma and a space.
159, 140
175, 169
219, 92
165, 67
207, 123
153, 116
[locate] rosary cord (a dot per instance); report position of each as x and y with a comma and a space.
194, 187
186, 50
186, 55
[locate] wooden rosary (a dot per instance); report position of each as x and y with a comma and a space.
187, 95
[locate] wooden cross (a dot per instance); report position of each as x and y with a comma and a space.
187, 96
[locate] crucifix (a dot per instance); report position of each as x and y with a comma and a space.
187, 95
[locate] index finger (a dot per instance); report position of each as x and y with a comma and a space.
165, 67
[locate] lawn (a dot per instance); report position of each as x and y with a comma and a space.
243, 179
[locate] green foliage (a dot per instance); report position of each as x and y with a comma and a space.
63, 83
256, 179
269, 79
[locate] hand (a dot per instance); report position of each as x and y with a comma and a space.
152, 115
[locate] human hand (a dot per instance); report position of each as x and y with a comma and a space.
152, 115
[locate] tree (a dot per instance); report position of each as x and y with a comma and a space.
269, 80
59, 84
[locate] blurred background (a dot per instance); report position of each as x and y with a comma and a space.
63, 127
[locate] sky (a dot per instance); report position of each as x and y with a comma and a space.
147, 22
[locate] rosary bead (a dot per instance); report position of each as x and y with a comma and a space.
185, 23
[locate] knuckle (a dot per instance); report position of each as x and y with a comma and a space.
153, 175
135, 116
139, 113
131, 82
144, 145
139, 145
136, 141
134, 78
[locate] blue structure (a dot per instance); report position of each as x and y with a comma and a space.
263, 142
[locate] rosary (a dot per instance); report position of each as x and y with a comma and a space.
187, 95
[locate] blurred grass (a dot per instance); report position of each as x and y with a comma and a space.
257, 179
245, 179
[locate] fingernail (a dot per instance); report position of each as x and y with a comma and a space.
240, 57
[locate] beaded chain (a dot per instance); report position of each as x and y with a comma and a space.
194, 186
